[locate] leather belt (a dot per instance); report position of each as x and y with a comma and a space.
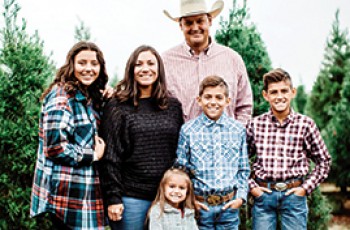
216, 199
280, 186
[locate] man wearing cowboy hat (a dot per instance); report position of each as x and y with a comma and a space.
187, 64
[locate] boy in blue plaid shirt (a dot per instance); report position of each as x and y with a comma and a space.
212, 147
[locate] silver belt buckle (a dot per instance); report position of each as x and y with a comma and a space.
280, 186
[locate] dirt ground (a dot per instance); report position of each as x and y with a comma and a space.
340, 220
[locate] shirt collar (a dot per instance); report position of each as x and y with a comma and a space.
168, 208
79, 96
206, 51
208, 122
286, 121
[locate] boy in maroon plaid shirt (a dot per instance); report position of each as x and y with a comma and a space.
283, 143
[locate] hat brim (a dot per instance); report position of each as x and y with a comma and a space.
215, 11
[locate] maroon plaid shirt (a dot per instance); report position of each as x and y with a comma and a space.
283, 151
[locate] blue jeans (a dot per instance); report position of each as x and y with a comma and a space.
217, 219
134, 215
292, 210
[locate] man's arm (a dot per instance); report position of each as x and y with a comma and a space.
244, 104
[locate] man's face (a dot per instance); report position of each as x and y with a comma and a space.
280, 95
196, 30
213, 101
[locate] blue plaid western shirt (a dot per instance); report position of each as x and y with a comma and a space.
215, 154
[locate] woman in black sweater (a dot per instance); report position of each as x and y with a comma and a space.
140, 126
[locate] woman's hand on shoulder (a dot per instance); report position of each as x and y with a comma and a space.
107, 92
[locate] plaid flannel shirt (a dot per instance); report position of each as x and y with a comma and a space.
65, 182
215, 154
283, 151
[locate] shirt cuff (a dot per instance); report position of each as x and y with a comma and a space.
308, 188
86, 157
252, 184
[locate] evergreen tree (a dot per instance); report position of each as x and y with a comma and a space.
114, 80
319, 211
25, 69
82, 33
244, 38
337, 135
329, 101
325, 93
300, 99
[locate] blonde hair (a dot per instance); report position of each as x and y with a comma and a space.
160, 197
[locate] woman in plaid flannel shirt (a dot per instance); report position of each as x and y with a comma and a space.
66, 183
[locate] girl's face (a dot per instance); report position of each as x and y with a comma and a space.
146, 71
176, 190
86, 67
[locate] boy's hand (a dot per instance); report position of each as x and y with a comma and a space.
299, 191
233, 204
258, 191
200, 206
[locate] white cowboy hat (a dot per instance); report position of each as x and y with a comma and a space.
195, 7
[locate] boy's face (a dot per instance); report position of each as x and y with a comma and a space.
280, 95
213, 101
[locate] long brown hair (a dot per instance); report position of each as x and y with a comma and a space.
65, 75
189, 202
127, 88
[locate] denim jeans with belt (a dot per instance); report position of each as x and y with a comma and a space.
134, 215
292, 209
218, 219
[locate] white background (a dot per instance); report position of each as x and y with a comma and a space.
294, 31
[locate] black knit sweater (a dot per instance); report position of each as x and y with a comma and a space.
141, 144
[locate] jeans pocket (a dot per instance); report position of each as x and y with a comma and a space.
232, 210
297, 196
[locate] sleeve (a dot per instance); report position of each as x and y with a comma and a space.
113, 132
243, 169
194, 225
58, 134
182, 151
317, 151
155, 220
244, 103
251, 152
181, 116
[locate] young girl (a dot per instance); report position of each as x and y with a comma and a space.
173, 207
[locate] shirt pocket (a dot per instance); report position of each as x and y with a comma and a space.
201, 155
231, 152
84, 132
231, 148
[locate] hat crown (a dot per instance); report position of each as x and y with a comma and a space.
195, 7
188, 7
